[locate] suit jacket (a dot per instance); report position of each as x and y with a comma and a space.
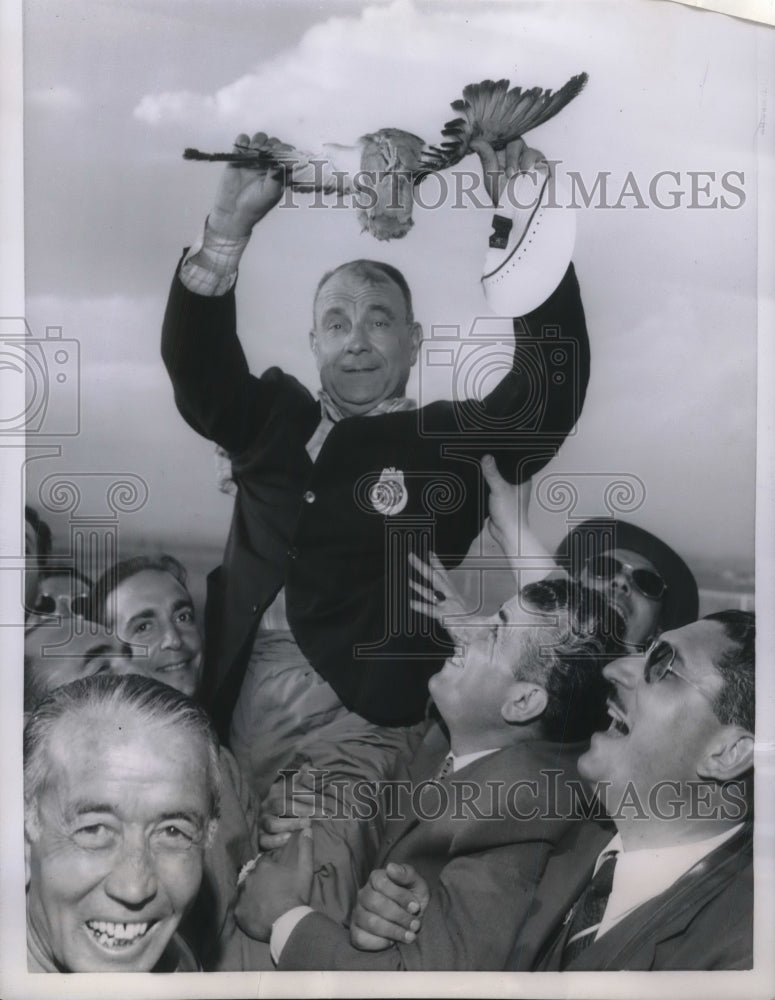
320, 529
704, 921
481, 863
209, 925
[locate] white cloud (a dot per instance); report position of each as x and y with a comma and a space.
347, 76
57, 98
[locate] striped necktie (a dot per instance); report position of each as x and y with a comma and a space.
589, 909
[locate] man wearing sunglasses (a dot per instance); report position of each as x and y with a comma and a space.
650, 585
674, 888
60, 593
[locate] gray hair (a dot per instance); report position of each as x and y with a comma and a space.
567, 658
151, 702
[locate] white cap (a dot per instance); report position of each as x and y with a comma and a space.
520, 276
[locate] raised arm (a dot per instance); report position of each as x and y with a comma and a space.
214, 390
526, 417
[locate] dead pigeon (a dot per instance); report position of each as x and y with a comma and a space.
382, 169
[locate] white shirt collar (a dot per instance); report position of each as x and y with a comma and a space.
642, 875
468, 758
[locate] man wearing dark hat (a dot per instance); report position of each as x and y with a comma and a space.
650, 585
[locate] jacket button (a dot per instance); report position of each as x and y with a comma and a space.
293, 552
309, 497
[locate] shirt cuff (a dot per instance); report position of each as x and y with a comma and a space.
282, 929
210, 266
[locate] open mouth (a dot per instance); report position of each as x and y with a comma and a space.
116, 936
622, 606
618, 723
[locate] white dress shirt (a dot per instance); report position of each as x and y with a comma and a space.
642, 875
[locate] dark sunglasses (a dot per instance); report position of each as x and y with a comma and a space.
649, 583
659, 663
48, 605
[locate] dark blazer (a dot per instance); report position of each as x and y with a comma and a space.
316, 529
704, 921
482, 863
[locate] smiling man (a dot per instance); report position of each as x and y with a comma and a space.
121, 790
364, 338
674, 888
475, 817
146, 602
317, 644
649, 583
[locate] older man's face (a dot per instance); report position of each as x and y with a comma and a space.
661, 730
473, 685
363, 343
115, 842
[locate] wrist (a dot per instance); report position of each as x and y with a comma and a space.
229, 224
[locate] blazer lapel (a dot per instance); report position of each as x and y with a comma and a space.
422, 767
639, 934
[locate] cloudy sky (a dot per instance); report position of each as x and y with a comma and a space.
115, 91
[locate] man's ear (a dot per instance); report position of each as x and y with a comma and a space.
525, 703
416, 338
728, 756
313, 345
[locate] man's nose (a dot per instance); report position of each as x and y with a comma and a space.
465, 631
359, 338
132, 880
626, 670
170, 636
63, 606
622, 581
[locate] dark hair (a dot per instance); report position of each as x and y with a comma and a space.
123, 570
43, 539
567, 658
375, 270
735, 704
47, 572
150, 701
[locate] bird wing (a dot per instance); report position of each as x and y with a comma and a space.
489, 110
329, 170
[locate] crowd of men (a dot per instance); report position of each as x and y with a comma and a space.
350, 768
